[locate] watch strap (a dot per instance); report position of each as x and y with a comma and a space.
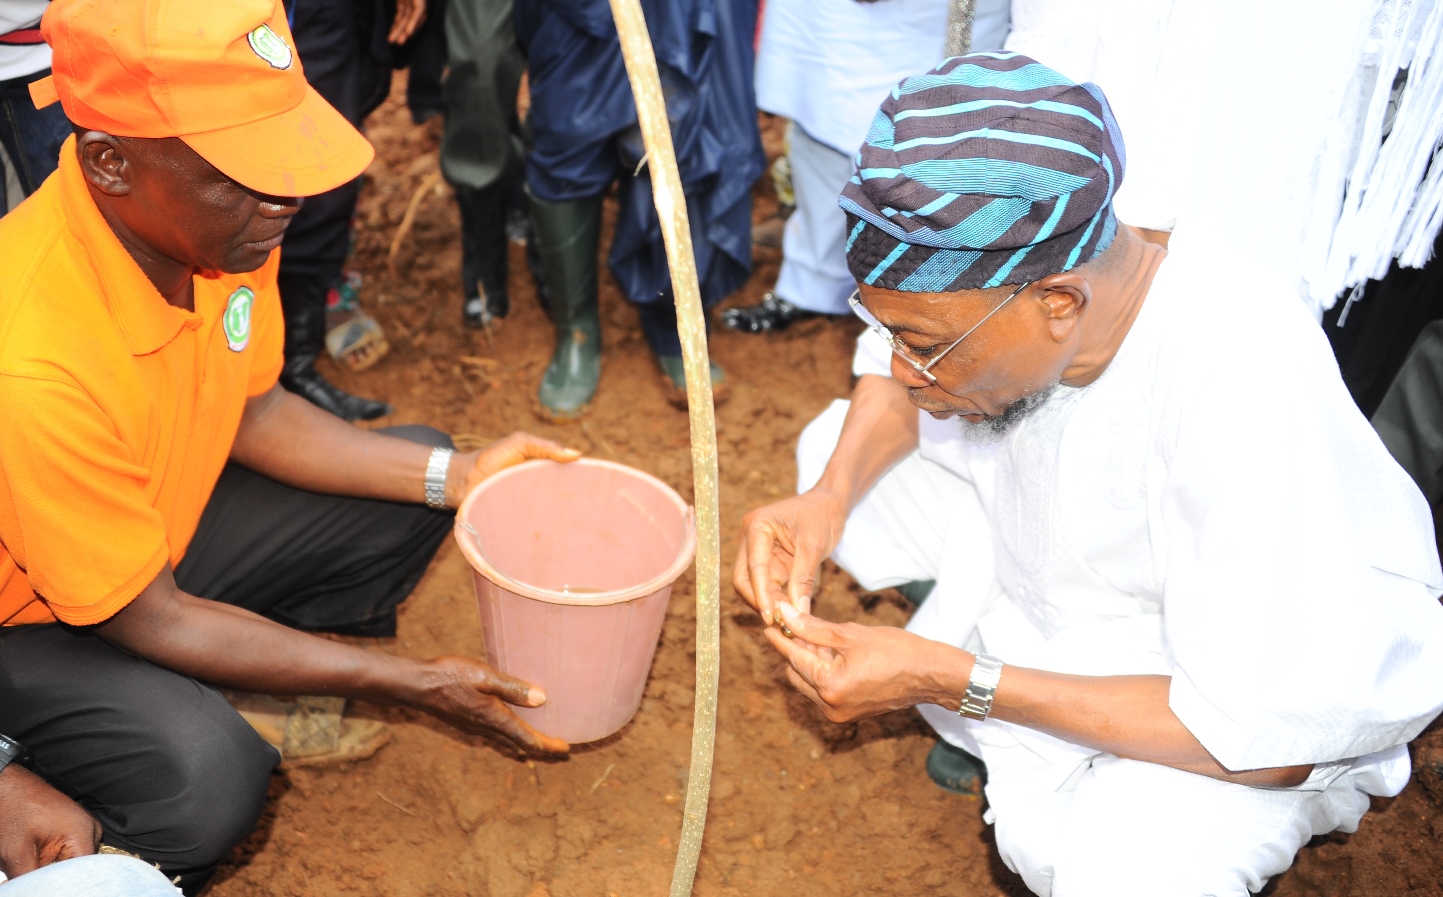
437, 466
981, 688
12, 751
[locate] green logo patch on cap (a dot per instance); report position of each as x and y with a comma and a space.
237, 320
269, 46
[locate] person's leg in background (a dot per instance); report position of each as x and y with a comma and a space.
30, 137
169, 770
424, 58
11, 194
100, 875
1409, 420
719, 157
333, 40
577, 106
814, 278
480, 152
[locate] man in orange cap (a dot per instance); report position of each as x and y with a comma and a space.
148, 457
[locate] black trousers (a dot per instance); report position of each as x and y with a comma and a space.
171, 772
342, 44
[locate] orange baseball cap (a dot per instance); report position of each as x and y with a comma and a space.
222, 75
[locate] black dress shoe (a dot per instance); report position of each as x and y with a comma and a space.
325, 395
303, 302
773, 313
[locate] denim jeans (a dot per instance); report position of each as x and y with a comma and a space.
32, 137
93, 876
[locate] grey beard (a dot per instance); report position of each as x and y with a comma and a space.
993, 427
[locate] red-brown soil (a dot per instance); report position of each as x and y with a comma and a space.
799, 807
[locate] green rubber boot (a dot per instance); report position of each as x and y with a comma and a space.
955, 770
566, 242
675, 371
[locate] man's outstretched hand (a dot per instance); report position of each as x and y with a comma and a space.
853, 671
472, 696
39, 825
468, 469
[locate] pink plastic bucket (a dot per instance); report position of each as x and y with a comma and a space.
574, 564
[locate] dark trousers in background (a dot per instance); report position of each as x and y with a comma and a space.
1390, 351
171, 772
479, 145
337, 41
481, 151
31, 136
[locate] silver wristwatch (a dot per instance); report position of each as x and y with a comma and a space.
436, 469
977, 701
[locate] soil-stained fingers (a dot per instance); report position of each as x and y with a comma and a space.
525, 738
473, 697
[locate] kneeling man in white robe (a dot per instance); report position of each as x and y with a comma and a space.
1186, 604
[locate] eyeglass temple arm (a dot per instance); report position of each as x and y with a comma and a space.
926, 369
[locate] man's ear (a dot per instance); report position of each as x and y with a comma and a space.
106, 162
1065, 296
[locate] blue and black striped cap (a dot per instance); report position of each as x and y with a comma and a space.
990, 169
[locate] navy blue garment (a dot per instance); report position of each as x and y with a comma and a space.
31, 136
584, 136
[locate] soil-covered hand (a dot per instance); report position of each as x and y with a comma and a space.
853, 671
472, 696
468, 469
39, 825
782, 549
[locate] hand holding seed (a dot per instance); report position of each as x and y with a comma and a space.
853, 671
782, 547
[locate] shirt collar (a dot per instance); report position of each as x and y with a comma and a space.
147, 322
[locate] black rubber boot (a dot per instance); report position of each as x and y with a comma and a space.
303, 300
566, 241
483, 253
953, 769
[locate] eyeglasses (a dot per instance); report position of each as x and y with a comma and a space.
902, 350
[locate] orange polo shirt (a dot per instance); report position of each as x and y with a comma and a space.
117, 410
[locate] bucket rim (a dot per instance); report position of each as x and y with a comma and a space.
467, 539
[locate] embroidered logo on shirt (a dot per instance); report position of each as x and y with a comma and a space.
269, 46
237, 319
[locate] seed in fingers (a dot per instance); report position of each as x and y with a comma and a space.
781, 624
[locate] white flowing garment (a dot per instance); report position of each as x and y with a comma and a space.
1250, 123
828, 64
1216, 509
